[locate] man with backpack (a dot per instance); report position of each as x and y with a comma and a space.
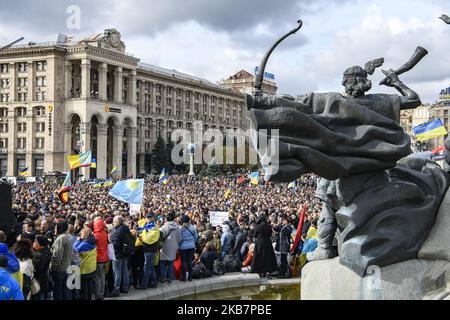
123, 247
150, 236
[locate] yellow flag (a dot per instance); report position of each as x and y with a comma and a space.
227, 193
74, 161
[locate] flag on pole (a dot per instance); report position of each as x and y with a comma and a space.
438, 153
74, 161
94, 163
65, 188
227, 193
163, 178
86, 159
24, 172
108, 183
429, 130
114, 170
129, 191
254, 178
298, 235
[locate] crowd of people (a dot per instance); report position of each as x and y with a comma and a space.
92, 247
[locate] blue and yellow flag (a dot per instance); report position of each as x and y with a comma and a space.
163, 178
65, 188
114, 170
94, 163
227, 193
129, 191
292, 185
24, 173
430, 130
254, 178
108, 182
74, 161
97, 184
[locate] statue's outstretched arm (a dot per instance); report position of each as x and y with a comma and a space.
410, 99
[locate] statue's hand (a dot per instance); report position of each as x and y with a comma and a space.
391, 78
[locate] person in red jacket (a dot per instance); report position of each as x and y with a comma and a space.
101, 235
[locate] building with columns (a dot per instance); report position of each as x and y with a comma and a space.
63, 98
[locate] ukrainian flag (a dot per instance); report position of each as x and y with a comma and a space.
94, 163
227, 193
108, 183
97, 184
24, 172
430, 130
129, 191
163, 178
114, 170
254, 178
65, 188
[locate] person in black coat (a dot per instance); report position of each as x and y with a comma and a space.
264, 261
41, 262
208, 256
283, 244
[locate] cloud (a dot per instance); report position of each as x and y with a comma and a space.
214, 39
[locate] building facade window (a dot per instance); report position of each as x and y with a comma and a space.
22, 82
3, 167
21, 112
22, 96
3, 143
4, 97
4, 83
39, 167
41, 66
41, 81
4, 127
39, 143
22, 127
41, 96
23, 66
4, 68
3, 112
40, 126
39, 112
21, 143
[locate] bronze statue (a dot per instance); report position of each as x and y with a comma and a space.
382, 202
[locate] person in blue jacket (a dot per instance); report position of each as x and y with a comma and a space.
13, 262
9, 287
189, 237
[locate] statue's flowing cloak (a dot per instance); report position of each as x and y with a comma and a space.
386, 210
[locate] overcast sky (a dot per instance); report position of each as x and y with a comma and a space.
215, 38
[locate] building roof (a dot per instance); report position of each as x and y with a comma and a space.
242, 74
178, 75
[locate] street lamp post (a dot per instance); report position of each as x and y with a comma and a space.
191, 150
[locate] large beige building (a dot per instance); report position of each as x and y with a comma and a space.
63, 98
244, 82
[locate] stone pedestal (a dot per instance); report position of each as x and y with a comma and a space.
427, 277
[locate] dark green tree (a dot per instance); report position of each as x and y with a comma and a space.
159, 156
213, 169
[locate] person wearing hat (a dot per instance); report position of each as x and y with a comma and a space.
41, 262
171, 236
189, 238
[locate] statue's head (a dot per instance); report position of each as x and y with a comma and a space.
356, 82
